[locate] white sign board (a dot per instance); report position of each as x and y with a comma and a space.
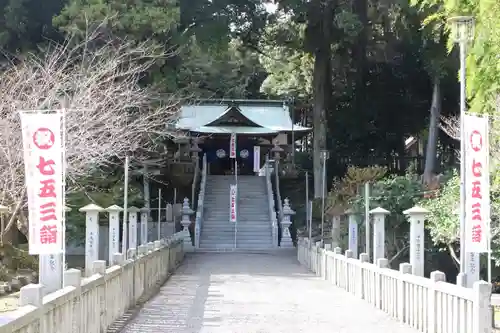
43, 160
232, 203
477, 199
232, 146
256, 158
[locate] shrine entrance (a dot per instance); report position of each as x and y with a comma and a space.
217, 150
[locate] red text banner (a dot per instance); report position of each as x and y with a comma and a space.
43, 162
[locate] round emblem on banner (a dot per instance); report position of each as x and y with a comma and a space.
221, 153
44, 138
244, 153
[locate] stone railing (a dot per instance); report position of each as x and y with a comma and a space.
428, 305
278, 192
270, 199
93, 304
201, 203
196, 182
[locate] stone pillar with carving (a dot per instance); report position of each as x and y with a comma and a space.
353, 232
379, 214
186, 221
91, 235
416, 216
286, 237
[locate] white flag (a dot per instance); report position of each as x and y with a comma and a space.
256, 158
232, 146
43, 160
477, 184
232, 203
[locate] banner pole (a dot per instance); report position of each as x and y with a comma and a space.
236, 203
64, 166
159, 214
488, 255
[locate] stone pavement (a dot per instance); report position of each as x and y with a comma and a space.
255, 293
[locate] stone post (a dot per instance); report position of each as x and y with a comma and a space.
416, 216
286, 238
91, 235
31, 294
432, 307
73, 278
132, 227
335, 231
378, 232
186, 221
481, 310
144, 225
50, 268
114, 231
353, 232
404, 268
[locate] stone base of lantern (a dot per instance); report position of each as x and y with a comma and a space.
286, 238
186, 238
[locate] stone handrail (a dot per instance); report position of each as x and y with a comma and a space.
194, 185
270, 199
278, 192
429, 305
201, 203
93, 304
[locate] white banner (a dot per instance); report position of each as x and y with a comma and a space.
477, 184
256, 158
232, 146
43, 162
232, 203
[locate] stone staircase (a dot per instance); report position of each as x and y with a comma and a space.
253, 226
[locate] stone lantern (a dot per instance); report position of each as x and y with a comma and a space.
277, 150
186, 221
286, 238
195, 150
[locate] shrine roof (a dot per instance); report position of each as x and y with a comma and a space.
257, 117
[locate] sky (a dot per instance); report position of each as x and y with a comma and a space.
270, 7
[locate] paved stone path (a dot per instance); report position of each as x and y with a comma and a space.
255, 293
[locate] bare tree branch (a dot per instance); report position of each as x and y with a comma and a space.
108, 112
451, 126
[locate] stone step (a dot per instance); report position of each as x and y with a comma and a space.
240, 212
230, 247
222, 230
230, 243
241, 224
226, 229
253, 238
241, 216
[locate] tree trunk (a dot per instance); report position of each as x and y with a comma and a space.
321, 92
431, 149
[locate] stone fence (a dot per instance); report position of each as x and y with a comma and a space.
93, 304
428, 305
